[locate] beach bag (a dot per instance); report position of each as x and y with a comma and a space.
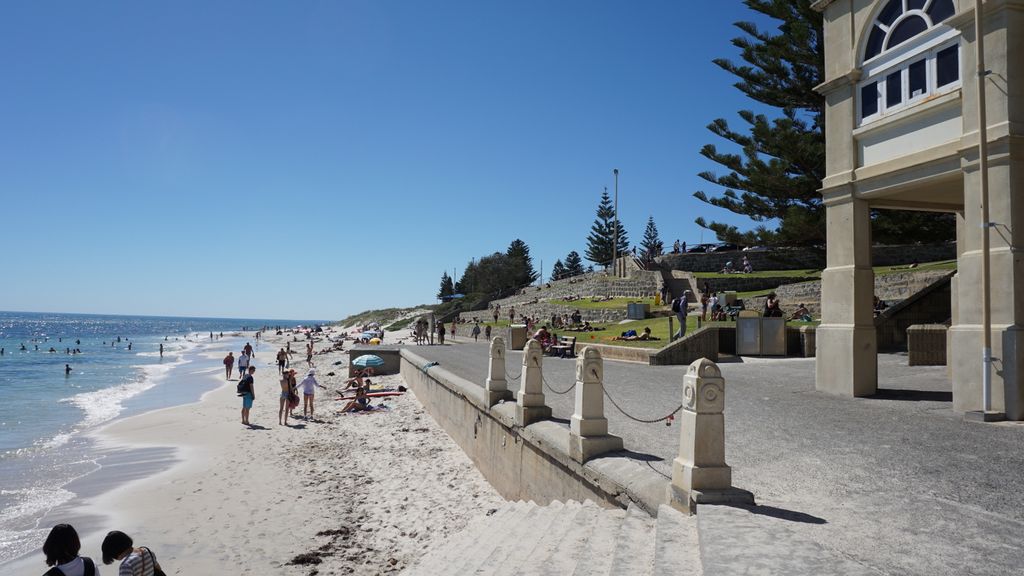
676, 304
243, 386
157, 570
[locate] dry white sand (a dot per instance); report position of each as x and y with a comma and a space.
345, 494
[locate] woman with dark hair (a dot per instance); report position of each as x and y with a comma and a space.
134, 561
61, 551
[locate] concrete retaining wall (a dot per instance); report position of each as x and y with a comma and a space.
526, 463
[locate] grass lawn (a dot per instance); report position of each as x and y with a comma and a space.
659, 329
809, 274
586, 304
943, 265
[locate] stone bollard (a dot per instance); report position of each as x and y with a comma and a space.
588, 429
496, 387
700, 474
530, 400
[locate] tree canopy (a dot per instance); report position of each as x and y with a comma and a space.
651, 246
775, 175
601, 241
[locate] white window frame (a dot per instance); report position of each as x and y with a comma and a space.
926, 47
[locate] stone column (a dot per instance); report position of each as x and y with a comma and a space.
846, 341
1004, 48
700, 474
530, 399
588, 428
496, 386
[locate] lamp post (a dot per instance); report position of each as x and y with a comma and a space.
615, 244
986, 279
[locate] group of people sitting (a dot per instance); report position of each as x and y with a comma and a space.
62, 548
746, 268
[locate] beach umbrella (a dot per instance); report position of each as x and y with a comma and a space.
368, 361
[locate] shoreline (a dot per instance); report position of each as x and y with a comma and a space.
323, 489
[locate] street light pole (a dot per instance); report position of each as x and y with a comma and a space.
986, 299
615, 246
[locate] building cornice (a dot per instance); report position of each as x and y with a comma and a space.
820, 5
848, 79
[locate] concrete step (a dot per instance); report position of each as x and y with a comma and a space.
676, 545
562, 560
478, 546
530, 563
520, 539
595, 559
634, 547
438, 559
735, 541
499, 541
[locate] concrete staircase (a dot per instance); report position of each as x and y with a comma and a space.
571, 538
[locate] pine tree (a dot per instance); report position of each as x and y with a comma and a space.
601, 240
776, 176
558, 270
523, 273
447, 288
651, 246
573, 264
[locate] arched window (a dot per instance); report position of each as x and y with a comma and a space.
908, 56
902, 20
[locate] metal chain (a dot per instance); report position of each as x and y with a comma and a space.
510, 377
634, 418
545, 380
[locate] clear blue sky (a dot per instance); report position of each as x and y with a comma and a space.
310, 159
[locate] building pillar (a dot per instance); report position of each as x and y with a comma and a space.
1006, 198
588, 428
530, 405
496, 387
847, 352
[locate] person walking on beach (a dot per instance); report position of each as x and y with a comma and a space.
476, 332
243, 363
61, 550
487, 333
248, 348
309, 354
247, 390
309, 386
161, 350
282, 359
229, 365
287, 391
138, 561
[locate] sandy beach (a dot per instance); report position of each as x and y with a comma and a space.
340, 494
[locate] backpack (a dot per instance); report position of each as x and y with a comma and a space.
676, 304
243, 385
90, 569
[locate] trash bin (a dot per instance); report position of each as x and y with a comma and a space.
748, 333
637, 311
773, 336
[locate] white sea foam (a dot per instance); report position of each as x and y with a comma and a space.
28, 505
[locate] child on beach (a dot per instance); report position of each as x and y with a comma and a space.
309, 385
138, 561
61, 551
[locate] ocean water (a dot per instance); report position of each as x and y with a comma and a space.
46, 414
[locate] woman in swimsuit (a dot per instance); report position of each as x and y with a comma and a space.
287, 390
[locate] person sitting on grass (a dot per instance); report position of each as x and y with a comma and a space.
643, 336
360, 403
802, 314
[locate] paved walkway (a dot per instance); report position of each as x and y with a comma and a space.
897, 482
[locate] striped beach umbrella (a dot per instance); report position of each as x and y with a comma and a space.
368, 361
